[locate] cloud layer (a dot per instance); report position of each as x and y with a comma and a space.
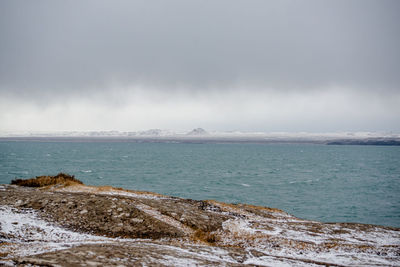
258, 65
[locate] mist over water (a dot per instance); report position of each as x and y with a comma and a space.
317, 182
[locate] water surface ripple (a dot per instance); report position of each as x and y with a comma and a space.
317, 182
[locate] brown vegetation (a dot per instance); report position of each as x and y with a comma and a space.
41, 181
205, 237
205, 232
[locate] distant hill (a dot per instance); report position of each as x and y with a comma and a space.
366, 142
151, 132
198, 131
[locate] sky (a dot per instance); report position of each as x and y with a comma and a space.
223, 65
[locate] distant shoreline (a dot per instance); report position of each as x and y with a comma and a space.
206, 140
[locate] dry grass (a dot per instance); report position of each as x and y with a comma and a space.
205, 237
223, 206
3, 254
42, 181
262, 208
239, 207
104, 188
339, 232
107, 188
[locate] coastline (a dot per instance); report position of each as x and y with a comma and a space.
79, 224
327, 140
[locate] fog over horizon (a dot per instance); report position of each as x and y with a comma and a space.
271, 66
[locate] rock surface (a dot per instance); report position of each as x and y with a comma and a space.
95, 226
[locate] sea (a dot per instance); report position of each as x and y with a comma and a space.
328, 183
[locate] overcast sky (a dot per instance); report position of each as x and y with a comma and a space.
315, 66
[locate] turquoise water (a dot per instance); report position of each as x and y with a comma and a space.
318, 182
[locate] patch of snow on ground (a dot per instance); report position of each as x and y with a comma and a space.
25, 229
109, 192
27, 226
131, 194
273, 261
204, 252
177, 261
166, 219
346, 253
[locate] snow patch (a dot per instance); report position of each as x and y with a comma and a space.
26, 229
27, 226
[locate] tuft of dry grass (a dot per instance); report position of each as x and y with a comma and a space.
262, 208
42, 181
239, 207
108, 188
3, 254
205, 237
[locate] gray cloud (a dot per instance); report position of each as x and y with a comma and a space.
58, 45
64, 49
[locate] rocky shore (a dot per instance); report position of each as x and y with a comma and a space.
70, 224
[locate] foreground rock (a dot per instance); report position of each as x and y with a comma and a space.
82, 225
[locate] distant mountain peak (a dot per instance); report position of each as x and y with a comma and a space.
198, 131
156, 133
151, 132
